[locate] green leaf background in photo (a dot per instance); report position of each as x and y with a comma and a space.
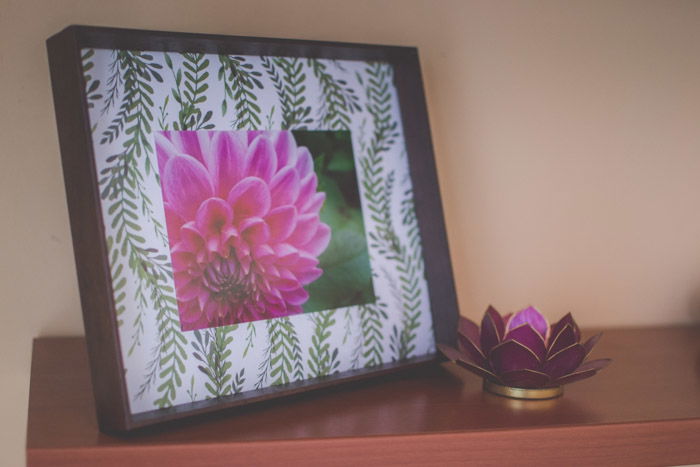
347, 276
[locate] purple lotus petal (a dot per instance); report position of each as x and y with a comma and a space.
565, 361
573, 377
596, 365
492, 330
458, 358
566, 337
470, 350
591, 342
529, 338
532, 317
512, 355
468, 329
524, 379
559, 325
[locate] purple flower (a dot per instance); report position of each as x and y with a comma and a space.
523, 350
242, 214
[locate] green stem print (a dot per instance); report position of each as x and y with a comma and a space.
322, 359
240, 83
212, 349
372, 317
288, 78
190, 91
123, 191
91, 85
283, 357
337, 101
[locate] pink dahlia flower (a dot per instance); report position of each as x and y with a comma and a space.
242, 214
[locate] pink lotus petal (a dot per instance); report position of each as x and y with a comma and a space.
530, 338
511, 356
531, 316
559, 325
261, 160
565, 361
186, 185
249, 198
455, 356
492, 330
524, 379
591, 342
565, 338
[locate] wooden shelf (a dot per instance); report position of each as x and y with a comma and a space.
642, 410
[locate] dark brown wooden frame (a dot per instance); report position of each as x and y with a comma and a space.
91, 253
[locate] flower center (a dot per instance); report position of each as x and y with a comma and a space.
226, 281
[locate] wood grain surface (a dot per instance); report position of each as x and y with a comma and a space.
642, 410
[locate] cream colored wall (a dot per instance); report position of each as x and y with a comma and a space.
566, 137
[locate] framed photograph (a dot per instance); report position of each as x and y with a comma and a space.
251, 218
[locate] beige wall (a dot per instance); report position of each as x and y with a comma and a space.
566, 135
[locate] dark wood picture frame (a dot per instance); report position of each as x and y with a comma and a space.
89, 240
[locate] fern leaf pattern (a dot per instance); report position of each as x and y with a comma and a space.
134, 94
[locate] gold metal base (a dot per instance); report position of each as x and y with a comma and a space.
522, 393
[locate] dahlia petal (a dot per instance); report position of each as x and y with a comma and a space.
309, 275
305, 163
528, 379
305, 260
282, 222
186, 288
296, 297
492, 330
249, 198
188, 142
186, 185
591, 342
531, 316
212, 216
261, 160
565, 361
228, 150
319, 241
263, 253
254, 230
565, 338
307, 188
286, 148
287, 255
456, 357
305, 229
173, 222
190, 313
314, 204
165, 149
559, 325
530, 338
511, 356
284, 187
181, 260
190, 238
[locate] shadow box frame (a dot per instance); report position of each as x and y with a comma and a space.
72, 101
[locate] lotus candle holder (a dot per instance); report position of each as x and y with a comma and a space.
521, 356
